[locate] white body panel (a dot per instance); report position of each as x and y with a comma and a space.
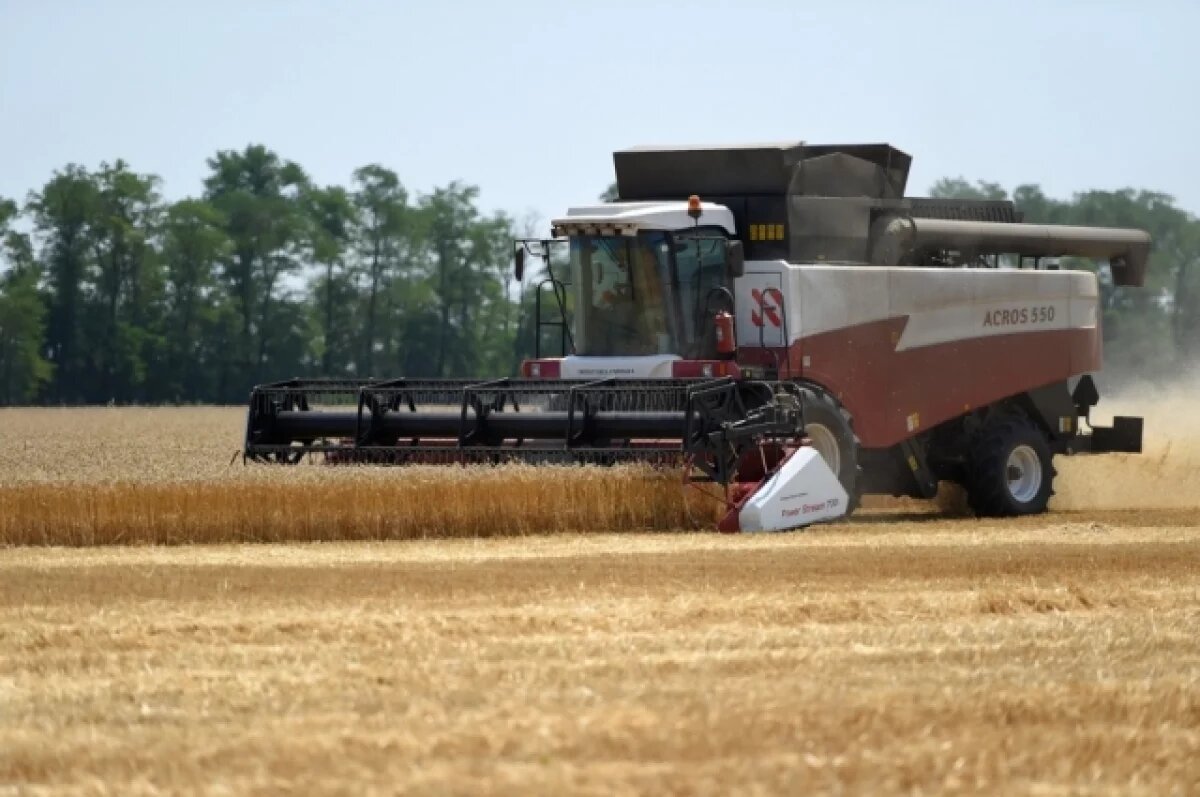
942, 305
652, 366
804, 490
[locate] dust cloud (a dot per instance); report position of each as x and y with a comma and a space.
1166, 475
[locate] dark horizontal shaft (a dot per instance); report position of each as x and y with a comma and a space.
551, 425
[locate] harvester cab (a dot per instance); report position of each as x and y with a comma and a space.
781, 320
636, 288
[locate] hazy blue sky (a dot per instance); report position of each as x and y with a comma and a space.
528, 99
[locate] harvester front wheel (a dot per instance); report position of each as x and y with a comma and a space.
1011, 471
828, 426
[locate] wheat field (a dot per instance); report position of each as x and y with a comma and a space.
495, 631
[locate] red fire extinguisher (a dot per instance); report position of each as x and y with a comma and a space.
726, 342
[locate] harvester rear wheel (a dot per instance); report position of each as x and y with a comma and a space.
1011, 470
830, 428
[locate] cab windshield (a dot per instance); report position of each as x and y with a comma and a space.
646, 294
620, 301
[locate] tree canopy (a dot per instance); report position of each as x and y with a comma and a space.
119, 296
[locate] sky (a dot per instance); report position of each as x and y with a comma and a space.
527, 100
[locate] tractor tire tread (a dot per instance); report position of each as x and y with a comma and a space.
987, 481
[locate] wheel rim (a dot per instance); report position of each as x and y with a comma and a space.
826, 444
1024, 472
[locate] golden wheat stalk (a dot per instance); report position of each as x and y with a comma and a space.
278, 505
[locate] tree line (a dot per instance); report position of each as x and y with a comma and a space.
109, 293
112, 294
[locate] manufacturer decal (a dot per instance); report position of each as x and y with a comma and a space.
607, 371
1019, 316
770, 306
809, 509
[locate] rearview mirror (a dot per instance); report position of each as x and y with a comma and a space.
519, 265
735, 258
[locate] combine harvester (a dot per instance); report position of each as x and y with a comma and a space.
780, 320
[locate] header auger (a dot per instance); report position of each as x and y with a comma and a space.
780, 320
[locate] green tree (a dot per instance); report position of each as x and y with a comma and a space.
490, 262
470, 255
960, 188
258, 194
332, 218
62, 213
451, 215
127, 283
194, 247
23, 369
385, 234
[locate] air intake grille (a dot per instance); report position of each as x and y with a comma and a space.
1000, 210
